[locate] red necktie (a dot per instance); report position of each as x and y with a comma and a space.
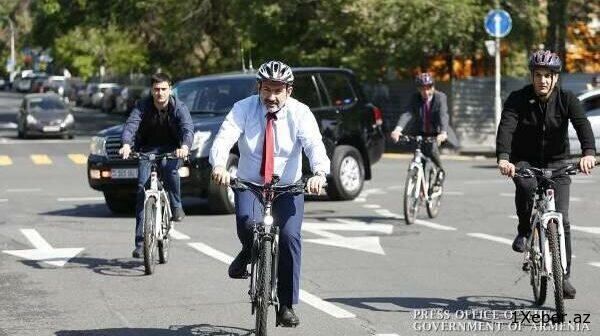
427, 117
266, 168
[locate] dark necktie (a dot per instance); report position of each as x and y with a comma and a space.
266, 168
427, 108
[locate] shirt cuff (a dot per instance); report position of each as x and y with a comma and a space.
503, 156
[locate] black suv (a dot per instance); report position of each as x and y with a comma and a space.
350, 125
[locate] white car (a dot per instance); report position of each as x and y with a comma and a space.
590, 101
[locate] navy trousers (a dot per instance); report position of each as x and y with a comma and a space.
288, 213
169, 174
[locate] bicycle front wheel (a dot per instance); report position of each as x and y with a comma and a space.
557, 270
435, 195
263, 287
163, 244
411, 196
149, 236
539, 281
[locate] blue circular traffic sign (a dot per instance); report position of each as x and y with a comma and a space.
498, 23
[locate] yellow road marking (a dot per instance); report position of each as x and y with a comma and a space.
40, 159
78, 158
5, 160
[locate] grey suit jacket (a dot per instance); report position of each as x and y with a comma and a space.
414, 114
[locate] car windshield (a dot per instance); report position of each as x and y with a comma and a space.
214, 96
45, 104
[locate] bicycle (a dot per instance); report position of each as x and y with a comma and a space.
157, 214
418, 188
545, 256
264, 259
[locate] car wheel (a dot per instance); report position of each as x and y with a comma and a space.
221, 199
347, 174
120, 203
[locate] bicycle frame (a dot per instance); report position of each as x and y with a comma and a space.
419, 162
160, 195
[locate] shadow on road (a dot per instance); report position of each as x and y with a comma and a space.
196, 330
87, 210
110, 267
409, 304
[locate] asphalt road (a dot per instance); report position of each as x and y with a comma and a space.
365, 272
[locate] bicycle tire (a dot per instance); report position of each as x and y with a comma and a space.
433, 205
539, 281
411, 199
149, 236
165, 242
263, 287
557, 270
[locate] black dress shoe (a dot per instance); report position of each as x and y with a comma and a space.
286, 317
519, 243
178, 215
237, 269
568, 290
138, 252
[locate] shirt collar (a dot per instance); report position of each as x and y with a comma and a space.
281, 114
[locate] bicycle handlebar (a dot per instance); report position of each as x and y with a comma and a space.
154, 157
549, 173
418, 138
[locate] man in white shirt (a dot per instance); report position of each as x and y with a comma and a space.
271, 130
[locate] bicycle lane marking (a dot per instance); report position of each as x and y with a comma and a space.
431, 225
305, 296
497, 239
595, 264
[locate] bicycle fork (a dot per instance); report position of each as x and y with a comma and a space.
551, 215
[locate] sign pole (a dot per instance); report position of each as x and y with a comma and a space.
497, 97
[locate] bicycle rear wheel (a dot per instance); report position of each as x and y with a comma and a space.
263, 288
164, 243
411, 196
539, 281
149, 236
435, 194
557, 270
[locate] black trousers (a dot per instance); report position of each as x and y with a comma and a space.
432, 151
526, 187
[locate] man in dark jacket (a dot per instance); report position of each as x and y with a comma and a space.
533, 132
159, 123
427, 111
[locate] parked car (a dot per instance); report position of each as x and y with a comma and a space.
351, 128
72, 87
55, 84
3, 83
96, 97
44, 114
590, 101
128, 97
108, 102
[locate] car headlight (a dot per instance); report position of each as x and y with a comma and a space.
98, 146
200, 140
31, 119
68, 120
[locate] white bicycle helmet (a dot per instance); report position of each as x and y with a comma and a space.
275, 71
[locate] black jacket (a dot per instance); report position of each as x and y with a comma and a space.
528, 132
414, 114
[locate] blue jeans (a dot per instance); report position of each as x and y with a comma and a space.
169, 174
288, 212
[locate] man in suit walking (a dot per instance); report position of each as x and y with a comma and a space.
428, 111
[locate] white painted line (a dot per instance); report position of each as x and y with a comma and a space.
211, 252
305, 296
178, 235
513, 217
387, 213
434, 225
595, 264
373, 192
490, 237
348, 225
80, 199
23, 190
324, 306
360, 199
36, 239
3, 200
372, 206
507, 194
454, 193
588, 229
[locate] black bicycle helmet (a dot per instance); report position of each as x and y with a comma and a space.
275, 71
545, 59
424, 79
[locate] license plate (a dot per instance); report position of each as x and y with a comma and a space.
124, 173
51, 128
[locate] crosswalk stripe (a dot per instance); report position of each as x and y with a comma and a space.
40, 159
78, 158
5, 160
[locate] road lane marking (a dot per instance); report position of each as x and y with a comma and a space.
3, 200
588, 229
80, 199
43, 251
305, 296
454, 193
490, 237
40, 159
78, 158
387, 213
5, 160
434, 225
23, 190
372, 206
360, 199
178, 235
595, 264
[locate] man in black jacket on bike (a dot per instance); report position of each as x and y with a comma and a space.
533, 132
158, 124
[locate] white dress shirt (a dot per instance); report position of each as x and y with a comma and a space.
295, 128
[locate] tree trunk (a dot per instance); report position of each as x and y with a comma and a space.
557, 28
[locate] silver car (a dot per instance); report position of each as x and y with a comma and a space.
44, 114
590, 100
